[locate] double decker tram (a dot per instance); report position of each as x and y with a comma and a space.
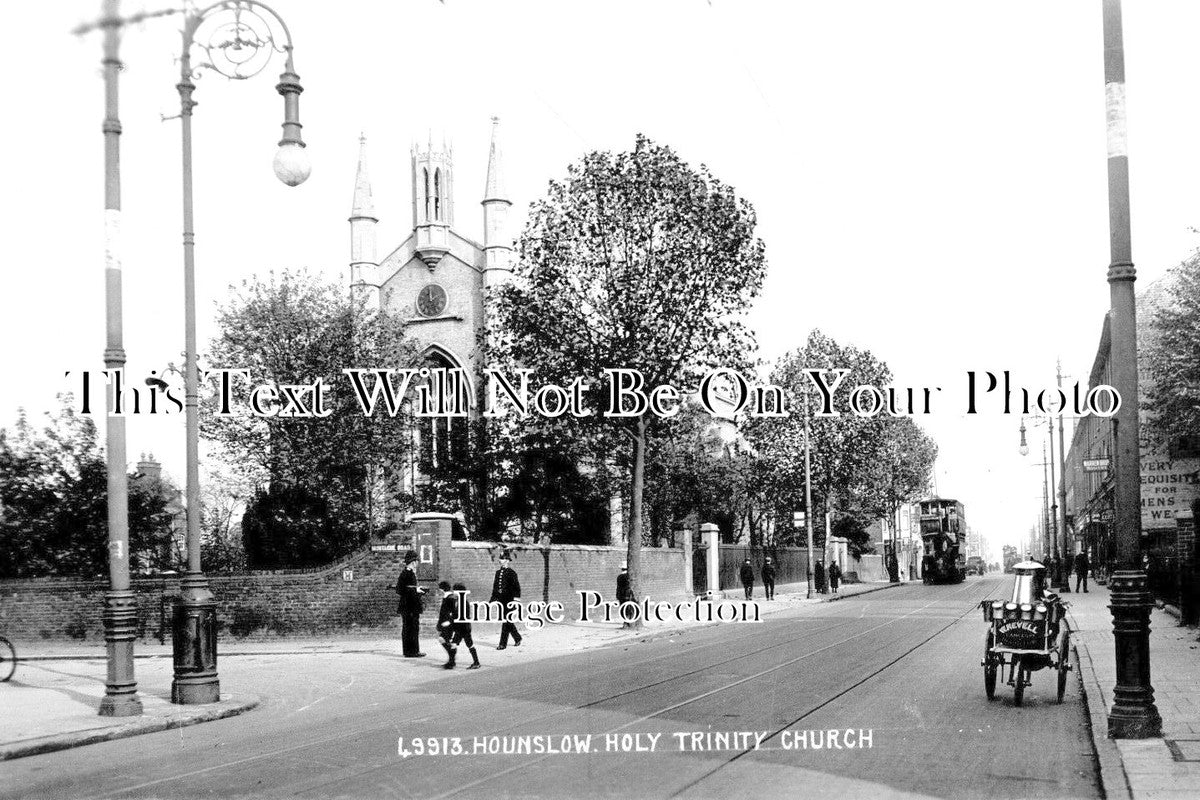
944, 535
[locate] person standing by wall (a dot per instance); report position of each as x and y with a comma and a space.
410, 607
1081, 570
747, 576
506, 587
835, 576
768, 576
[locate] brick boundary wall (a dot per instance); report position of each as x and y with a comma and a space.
293, 603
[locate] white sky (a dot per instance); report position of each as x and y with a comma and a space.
929, 176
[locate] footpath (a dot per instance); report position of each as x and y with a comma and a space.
52, 701
1166, 768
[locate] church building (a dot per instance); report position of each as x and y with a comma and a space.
436, 280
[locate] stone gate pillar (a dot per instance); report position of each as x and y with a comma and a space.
709, 533
431, 541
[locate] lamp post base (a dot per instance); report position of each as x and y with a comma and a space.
120, 629
1133, 714
194, 632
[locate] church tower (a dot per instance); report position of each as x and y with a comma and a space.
364, 264
437, 278
433, 200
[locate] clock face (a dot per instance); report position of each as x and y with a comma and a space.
431, 301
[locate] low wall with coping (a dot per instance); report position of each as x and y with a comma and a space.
354, 596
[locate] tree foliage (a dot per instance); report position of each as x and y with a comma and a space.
295, 328
1174, 357
861, 467
54, 502
635, 260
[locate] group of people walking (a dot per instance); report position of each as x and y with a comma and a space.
768, 577
452, 630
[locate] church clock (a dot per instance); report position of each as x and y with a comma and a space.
431, 301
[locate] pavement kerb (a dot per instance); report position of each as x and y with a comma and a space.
231, 706
1114, 783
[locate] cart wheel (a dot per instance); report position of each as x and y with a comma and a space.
1019, 683
1064, 661
989, 665
8, 659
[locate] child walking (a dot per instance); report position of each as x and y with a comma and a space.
451, 629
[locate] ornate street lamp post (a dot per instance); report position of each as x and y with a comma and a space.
238, 39
1133, 714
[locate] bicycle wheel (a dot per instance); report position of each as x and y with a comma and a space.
8, 659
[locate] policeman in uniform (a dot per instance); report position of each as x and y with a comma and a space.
410, 607
505, 588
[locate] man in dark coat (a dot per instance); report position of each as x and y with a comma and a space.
625, 595
747, 576
410, 607
506, 588
768, 576
1081, 570
835, 576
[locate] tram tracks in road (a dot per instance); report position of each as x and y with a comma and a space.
965, 590
541, 691
774, 734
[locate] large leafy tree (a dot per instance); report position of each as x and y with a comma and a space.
861, 466
295, 328
635, 260
54, 502
901, 473
1173, 357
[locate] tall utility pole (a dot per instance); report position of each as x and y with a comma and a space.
1065, 549
1046, 542
1133, 714
1055, 577
808, 498
120, 603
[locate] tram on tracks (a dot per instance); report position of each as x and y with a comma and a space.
944, 536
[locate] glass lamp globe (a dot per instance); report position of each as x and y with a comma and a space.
291, 164
1024, 449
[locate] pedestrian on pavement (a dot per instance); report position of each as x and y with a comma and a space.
447, 613
410, 607
747, 575
453, 629
768, 576
505, 589
625, 595
835, 576
1081, 570
819, 577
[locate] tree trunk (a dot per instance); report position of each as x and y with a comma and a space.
634, 554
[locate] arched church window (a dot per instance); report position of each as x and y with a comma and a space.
443, 439
437, 194
426, 174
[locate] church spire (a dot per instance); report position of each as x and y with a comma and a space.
495, 189
497, 246
363, 205
364, 266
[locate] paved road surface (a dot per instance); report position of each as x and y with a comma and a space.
898, 669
